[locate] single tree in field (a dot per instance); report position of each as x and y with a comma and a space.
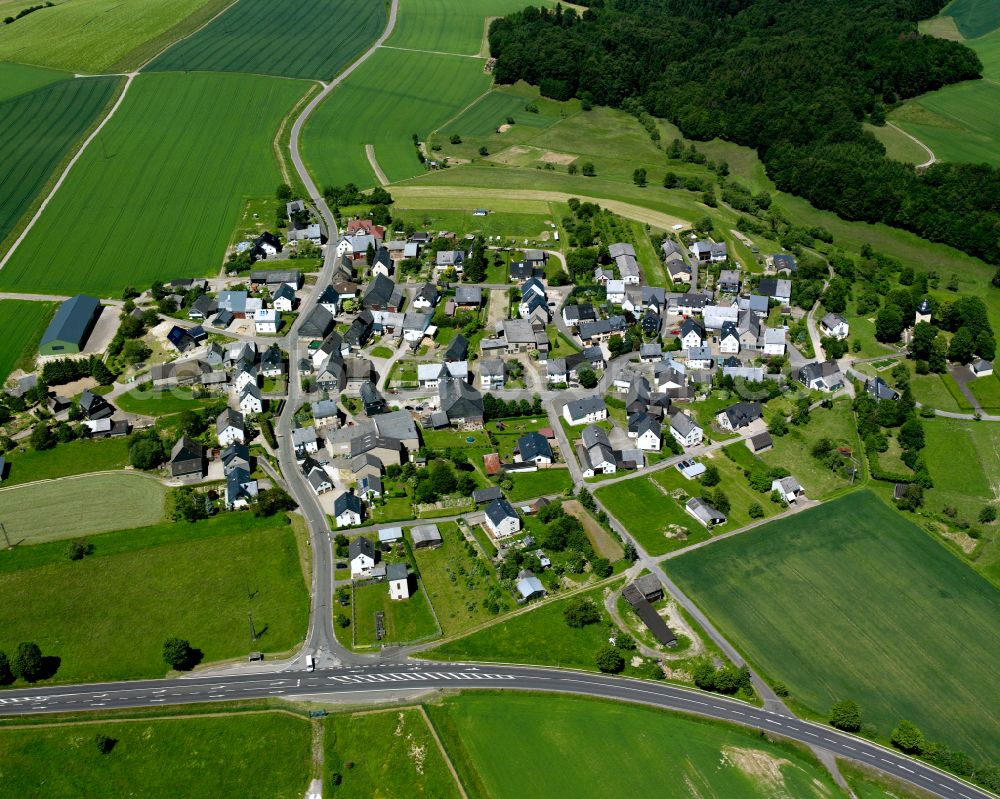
27, 662
609, 659
178, 654
908, 738
283, 192
104, 743
581, 612
846, 715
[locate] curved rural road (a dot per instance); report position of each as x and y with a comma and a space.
396, 681
932, 159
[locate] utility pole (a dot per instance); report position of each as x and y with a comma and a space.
5, 536
253, 630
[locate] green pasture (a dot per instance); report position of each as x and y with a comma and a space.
38, 128
391, 754
452, 26
51, 510
486, 115
988, 49
21, 328
101, 35
290, 38
898, 146
106, 616
851, 600
959, 123
987, 391
393, 95
224, 757
563, 746
973, 17
76, 457
539, 635
18, 79
158, 193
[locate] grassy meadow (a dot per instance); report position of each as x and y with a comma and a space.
405, 620
851, 600
563, 747
76, 457
290, 38
451, 26
393, 754
21, 328
106, 616
235, 755
51, 511
158, 193
395, 93
102, 35
39, 127
650, 528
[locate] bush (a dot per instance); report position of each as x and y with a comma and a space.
6, 675
602, 567
581, 613
609, 659
104, 743
755, 511
846, 715
27, 662
455, 138
908, 738
710, 477
988, 514
178, 654
79, 549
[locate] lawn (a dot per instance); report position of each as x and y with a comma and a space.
852, 600
528, 221
395, 93
51, 511
21, 328
236, 755
290, 38
645, 510
987, 391
936, 391
544, 482
539, 635
458, 583
794, 450
164, 402
18, 79
106, 617
956, 122
564, 746
405, 620
173, 165
898, 146
382, 352
102, 35
38, 128
393, 754
76, 457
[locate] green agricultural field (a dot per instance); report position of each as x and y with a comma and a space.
21, 328
174, 165
650, 528
50, 511
392, 96
539, 635
852, 600
405, 620
290, 38
18, 79
38, 128
898, 146
519, 224
452, 26
956, 122
236, 755
973, 17
393, 754
102, 35
76, 457
163, 403
486, 115
458, 583
106, 617
988, 49
564, 746
528, 485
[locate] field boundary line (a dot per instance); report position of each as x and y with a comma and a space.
200, 28
65, 173
462, 110
276, 143
431, 52
170, 717
443, 751
85, 474
370, 152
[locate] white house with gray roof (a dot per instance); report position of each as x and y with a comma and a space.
685, 430
585, 411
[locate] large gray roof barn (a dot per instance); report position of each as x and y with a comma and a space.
69, 328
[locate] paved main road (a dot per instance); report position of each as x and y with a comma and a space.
360, 684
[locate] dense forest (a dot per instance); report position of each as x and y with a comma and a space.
794, 79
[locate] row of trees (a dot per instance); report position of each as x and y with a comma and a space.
27, 664
842, 64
